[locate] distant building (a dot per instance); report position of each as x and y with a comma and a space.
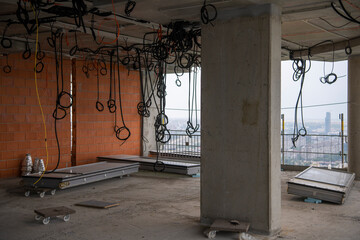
328, 123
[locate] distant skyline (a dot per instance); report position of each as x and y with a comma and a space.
314, 93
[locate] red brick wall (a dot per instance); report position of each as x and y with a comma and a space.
21, 127
94, 130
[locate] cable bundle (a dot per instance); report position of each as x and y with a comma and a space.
60, 106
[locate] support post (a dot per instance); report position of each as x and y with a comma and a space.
354, 115
283, 138
240, 102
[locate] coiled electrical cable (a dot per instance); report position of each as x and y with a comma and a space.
61, 93
129, 7
348, 50
192, 128
40, 55
99, 105
7, 67
27, 53
6, 42
331, 77
206, 17
299, 67
122, 133
111, 103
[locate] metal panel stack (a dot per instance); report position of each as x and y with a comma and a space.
324, 184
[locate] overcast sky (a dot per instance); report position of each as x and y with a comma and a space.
314, 92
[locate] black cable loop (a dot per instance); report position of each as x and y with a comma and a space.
55, 113
205, 16
176, 71
299, 67
99, 105
192, 103
129, 7
329, 78
40, 55
7, 67
119, 133
39, 67
111, 103
6, 42
348, 49
27, 53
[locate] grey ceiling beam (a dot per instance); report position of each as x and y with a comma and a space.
329, 47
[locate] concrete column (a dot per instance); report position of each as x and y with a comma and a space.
149, 142
354, 115
240, 138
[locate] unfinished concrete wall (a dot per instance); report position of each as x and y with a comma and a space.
240, 171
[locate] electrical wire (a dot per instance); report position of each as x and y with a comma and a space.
299, 67
39, 101
129, 7
99, 106
206, 18
7, 67
119, 131
192, 128
346, 15
61, 93
331, 77
117, 28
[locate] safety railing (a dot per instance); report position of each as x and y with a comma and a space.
181, 145
322, 150
314, 150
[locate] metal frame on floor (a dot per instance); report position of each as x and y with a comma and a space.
80, 175
166, 165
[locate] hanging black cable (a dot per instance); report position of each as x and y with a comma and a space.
347, 15
129, 7
111, 103
61, 105
205, 16
299, 67
7, 67
122, 133
331, 77
191, 129
6, 42
99, 105
27, 52
142, 107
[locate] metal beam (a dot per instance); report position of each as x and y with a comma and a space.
325, 48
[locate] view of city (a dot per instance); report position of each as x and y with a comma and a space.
323, 145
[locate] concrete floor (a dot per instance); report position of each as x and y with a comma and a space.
160, 206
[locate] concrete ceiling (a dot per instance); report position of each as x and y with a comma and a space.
304, 23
